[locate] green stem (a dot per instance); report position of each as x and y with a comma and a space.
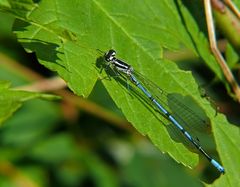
229, 25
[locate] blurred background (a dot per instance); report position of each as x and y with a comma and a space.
87, 142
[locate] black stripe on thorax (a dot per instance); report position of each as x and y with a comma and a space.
120, 64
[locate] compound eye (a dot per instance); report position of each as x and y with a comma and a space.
110, 55
112, 52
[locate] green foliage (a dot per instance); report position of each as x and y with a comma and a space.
65, 34
11, 100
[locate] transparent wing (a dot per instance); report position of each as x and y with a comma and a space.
185, 110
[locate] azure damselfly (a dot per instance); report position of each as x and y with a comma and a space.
127, 70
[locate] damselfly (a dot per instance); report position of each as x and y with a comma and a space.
125, 69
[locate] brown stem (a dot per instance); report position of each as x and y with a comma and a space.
219, 58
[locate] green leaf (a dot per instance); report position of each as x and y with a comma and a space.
65, 35
5, 3
144, 170
229, 150
237, 2
65, 154
68, 43
231, 56
62, 145
11, 100
30, 128
194, 20
19, 8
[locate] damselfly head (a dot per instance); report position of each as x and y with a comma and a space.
110, 55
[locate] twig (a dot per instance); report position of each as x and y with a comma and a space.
45, 85
219, 58
233, 7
